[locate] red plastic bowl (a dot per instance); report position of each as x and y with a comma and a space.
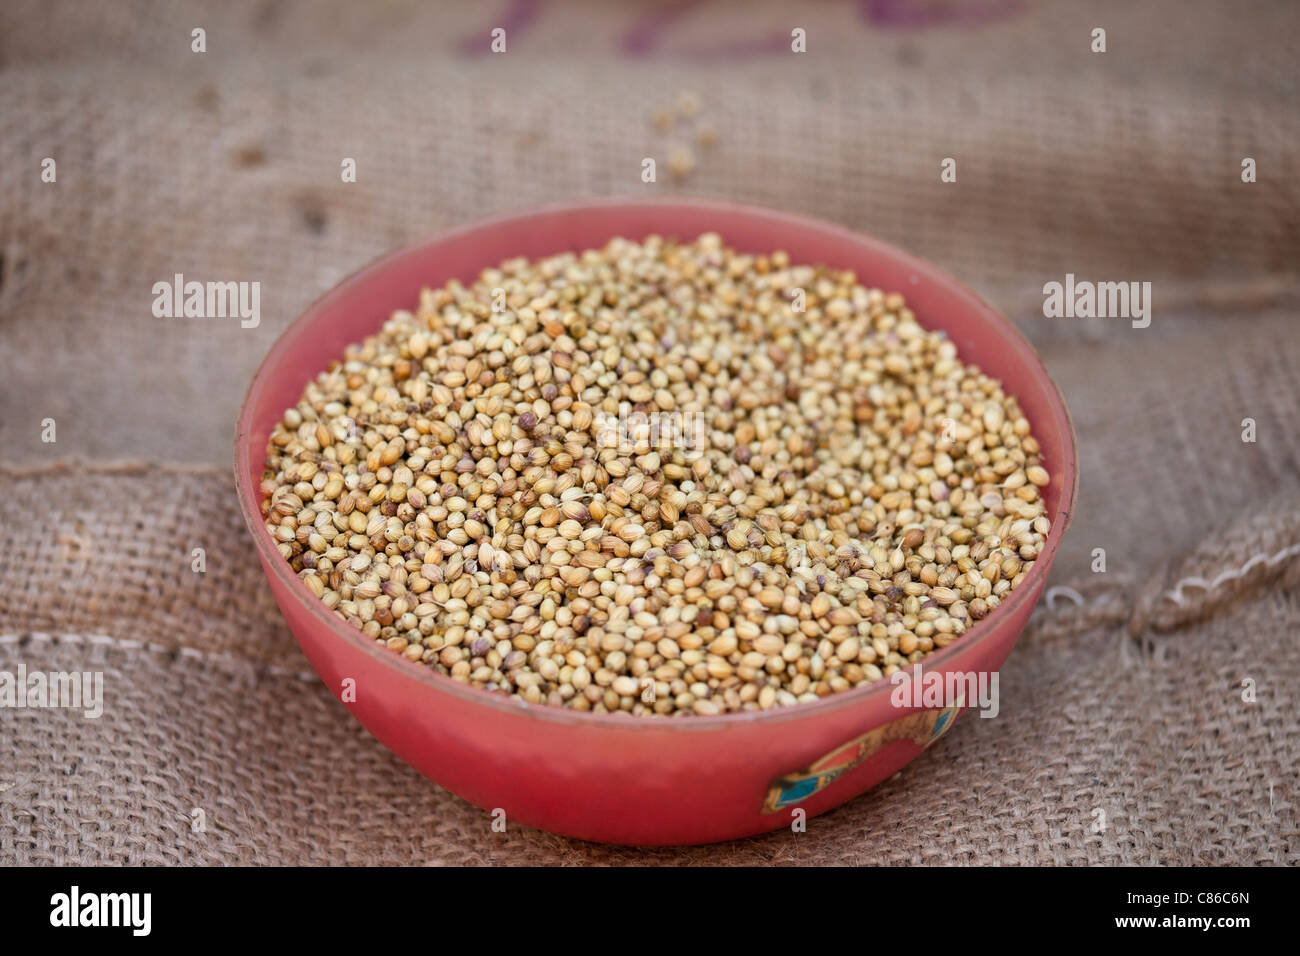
623, 779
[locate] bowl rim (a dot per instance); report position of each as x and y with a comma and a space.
249, 493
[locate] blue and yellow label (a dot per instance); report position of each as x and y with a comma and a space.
923, 727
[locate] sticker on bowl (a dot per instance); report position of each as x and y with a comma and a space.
923, 727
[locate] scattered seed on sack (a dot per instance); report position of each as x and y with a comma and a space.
658, 478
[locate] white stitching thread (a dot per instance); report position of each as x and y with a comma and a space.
1062, 590
1175, 594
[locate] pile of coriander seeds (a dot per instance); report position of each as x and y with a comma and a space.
657, 478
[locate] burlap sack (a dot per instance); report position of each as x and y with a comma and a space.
1123, 736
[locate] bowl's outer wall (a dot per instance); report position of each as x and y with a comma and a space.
686, 780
